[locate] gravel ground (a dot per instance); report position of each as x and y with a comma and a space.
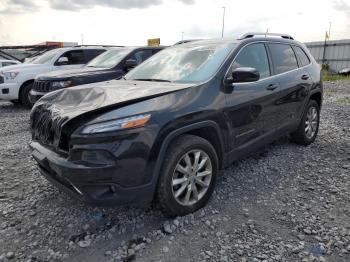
283, 203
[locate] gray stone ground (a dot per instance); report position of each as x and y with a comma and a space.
283, 203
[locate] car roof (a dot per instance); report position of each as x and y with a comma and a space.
214, 41
220, 41
80, 47
147, 47
134, 47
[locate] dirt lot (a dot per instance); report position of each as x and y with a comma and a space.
284, 203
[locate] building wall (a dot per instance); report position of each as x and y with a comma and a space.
337, 53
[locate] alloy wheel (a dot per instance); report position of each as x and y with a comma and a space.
311, 122
192, 177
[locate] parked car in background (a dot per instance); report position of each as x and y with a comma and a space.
4, 62
165, 131
112, 64
16, 81
345, 71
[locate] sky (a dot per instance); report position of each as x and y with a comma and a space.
132, 22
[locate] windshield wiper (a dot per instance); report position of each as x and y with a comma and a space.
151, 80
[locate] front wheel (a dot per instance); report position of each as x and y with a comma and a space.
308, 127
24, 95
188, 176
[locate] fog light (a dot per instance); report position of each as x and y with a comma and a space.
97, 157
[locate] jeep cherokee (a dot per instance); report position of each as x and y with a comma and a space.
164, 132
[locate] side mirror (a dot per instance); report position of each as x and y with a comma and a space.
63, 60
130, 64
243, 75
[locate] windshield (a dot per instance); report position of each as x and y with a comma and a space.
46, 57
109, 59
183, 63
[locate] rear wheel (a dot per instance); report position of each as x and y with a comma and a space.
188, 176
24, 95
308, 127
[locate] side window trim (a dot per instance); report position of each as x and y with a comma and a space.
298, 58
269, 55
269, 59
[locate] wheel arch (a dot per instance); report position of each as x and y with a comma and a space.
208, 130
317, 96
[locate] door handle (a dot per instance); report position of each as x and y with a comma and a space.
272, 87
304, 77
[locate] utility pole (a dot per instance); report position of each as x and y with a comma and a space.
324, 48
329, 30
223, 22
182, 36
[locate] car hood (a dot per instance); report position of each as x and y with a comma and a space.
72, 73
55, 109
22, 67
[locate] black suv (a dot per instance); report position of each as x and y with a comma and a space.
112, 64
165, 131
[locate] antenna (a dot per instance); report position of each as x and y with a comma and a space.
267, 31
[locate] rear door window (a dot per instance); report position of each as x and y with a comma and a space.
283, 57
254, 56
303, 58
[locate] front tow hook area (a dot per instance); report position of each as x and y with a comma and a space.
39, 157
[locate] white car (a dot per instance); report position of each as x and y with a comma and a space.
4, 62
16, 81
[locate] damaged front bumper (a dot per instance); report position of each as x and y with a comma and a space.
94, 184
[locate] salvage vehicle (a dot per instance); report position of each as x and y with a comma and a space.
16, 81
165, 131
112, 64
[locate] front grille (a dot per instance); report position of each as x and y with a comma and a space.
41, 86
1, 79
46, 126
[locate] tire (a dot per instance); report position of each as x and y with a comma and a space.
200, 183
301, 136
24, 95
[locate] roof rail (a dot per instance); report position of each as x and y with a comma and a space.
98, 46
186, 41
250, 35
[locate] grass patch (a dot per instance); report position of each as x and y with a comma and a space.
344, 100
333, 77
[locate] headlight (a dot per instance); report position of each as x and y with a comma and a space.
61, 84
113, 125
10, 75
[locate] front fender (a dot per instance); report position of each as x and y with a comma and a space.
161, 145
